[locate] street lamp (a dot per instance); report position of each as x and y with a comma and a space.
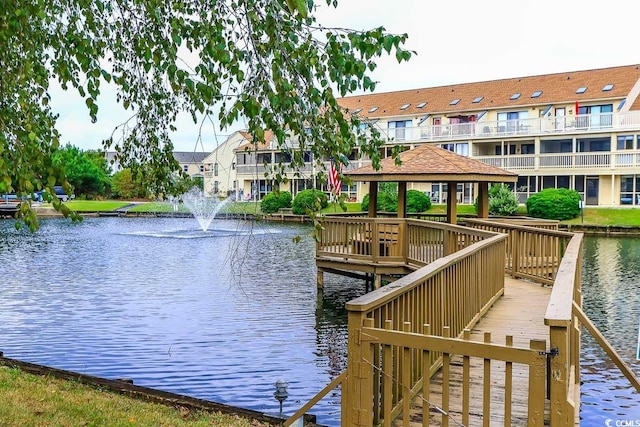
281, 392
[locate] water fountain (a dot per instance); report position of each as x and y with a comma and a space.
203, 208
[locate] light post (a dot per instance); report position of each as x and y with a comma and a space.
281, 392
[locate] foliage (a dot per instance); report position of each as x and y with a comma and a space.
308, 201
502, 201
387, 198
274, 201
554, 203
125, 186
267, 63
87, 172
417, 201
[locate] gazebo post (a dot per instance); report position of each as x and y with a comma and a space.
483, 200
373, 199
402, 199
452, 203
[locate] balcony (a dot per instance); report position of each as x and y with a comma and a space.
545, 126
589, 160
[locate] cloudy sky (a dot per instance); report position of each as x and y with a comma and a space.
455, 41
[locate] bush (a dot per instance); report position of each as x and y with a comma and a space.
387, 198
554, 203
309, 201
417, 201
502, 200
274, 201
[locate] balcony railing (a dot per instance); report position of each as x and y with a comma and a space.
521, 127
600, 159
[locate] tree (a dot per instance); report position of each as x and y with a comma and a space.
264, 61
127, 185
87, 172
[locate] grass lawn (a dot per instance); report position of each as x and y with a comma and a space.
95, 205
625, 217
31, 400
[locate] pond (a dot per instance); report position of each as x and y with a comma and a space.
224, 315
220, 316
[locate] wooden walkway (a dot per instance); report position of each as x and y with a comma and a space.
520, 314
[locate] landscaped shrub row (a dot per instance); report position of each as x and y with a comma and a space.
554, 203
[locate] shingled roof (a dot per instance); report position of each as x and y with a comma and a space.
495, 94
429, 163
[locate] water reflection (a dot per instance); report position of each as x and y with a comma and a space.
611, 298
220, 318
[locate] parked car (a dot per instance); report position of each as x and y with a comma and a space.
60, 194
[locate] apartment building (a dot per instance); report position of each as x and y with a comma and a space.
576, 129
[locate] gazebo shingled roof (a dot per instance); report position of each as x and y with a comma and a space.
429, 163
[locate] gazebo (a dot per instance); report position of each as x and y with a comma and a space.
429, 163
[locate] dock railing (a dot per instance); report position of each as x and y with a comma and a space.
534, 247
449, 294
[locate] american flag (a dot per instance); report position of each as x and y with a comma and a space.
335, 184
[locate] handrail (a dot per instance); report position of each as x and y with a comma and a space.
315, 399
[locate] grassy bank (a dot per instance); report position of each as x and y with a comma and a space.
31, 400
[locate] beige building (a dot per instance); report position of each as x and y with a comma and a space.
577, 129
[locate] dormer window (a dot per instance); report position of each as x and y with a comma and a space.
478, 99
515, 96
455, 101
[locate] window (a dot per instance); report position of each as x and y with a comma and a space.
625, 142
357, 110
527, 149
397, 129
215, 169
185, 168
607, 87
515, 96
630, 190
405, 106
455, 101
536, 94
233, 166
513, 121
582, 89
373, 109
216, 186
201, 168
235, 184
595, 116
421, 105
478, 99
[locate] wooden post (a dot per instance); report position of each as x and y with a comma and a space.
483, 200
373, 199
562, 409
402, 199
452, 202
320, 279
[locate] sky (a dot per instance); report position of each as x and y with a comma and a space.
455, 42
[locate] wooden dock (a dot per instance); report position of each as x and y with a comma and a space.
520, 314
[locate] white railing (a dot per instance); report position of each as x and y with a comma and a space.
521, 127
601, 159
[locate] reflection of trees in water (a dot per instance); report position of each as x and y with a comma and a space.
331, 320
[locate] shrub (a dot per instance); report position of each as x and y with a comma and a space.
309, 201
502, 200
272, 202
387, 198
554, 203
417, 201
